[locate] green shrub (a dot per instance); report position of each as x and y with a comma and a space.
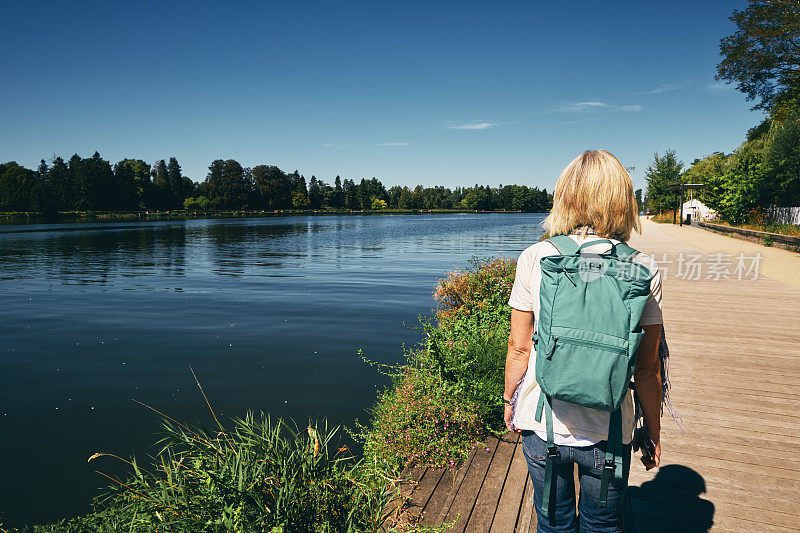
423, 420
447, 396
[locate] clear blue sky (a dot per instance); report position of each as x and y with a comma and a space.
437, 93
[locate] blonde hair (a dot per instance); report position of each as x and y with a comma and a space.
595, 191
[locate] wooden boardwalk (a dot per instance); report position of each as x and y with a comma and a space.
735, 373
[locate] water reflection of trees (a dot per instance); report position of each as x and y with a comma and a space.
233, 247
95, 256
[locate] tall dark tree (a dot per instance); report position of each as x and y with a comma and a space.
663, 171
59, 180
337, 198
93, 183
350, 194
102, 178
127, 184
315, 194
16, 186
77, 184
763, 55
177, 185
43, 197
394, 196
162, 193
405, 199
272, 187
783, 162
227, 184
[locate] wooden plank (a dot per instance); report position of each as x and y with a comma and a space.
464, 500
724, 440
411, 512
426, 486
445, 491
512, 498
716, 513
401, 498
756, 499
489, 495
526, 523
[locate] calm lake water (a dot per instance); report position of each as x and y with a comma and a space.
269, 312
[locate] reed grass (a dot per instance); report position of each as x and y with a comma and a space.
262, 475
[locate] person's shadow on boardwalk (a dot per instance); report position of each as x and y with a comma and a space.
670, 502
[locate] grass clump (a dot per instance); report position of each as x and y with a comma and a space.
262, 476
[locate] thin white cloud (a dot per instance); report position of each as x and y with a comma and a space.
719, 86
582, 107
337, 146
394, 144
475, 126
667, 87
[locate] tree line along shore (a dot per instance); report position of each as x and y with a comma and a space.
93, 185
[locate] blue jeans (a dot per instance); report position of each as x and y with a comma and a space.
590, 460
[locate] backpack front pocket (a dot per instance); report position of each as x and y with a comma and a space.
584, 367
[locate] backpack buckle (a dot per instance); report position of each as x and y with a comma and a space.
609, 465
553, 452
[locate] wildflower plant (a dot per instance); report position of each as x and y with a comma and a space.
446, 397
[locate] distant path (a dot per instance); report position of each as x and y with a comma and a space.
776, 263
735, 372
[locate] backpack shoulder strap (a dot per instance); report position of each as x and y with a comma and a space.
625, 252
565, 245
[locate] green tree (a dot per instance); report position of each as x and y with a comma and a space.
43, 196
177, 185
377, 204
227, 184
745, 184
709, 171
337, 198
127, 188
315, 193
663, 171
162, 194
763, 55
16, 185
77, 186
405, 200
350, 190
58, 176
299, 200
782, 159
272, 186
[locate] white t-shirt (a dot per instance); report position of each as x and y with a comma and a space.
573, 425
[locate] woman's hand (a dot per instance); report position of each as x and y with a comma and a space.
507, 418
648, 387
656, 460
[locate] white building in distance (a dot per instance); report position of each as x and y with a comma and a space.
698, 210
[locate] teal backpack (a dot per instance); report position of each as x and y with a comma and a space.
587, 340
